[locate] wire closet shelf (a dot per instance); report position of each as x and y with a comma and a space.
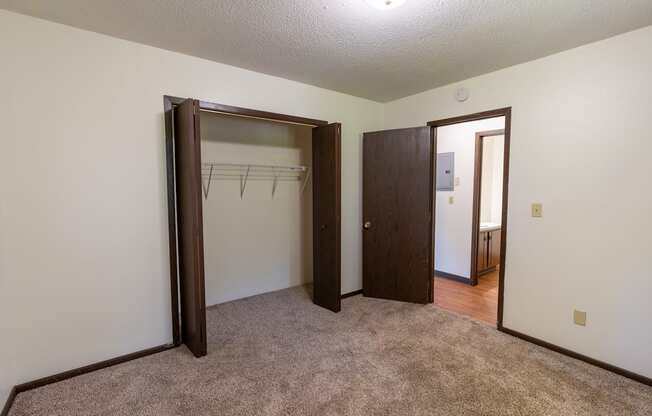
245, 172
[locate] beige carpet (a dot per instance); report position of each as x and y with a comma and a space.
277, 354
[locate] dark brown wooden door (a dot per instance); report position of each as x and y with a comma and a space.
326, 142
190, 223
398, 203
482, 251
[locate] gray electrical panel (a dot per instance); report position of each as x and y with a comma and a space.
445, 171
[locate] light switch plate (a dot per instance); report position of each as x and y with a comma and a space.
537, 210
579, 317
457, 181
451, 200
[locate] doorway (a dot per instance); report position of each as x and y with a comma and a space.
402, 195
471, 215
205, 198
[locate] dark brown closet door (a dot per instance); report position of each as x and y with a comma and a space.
398, 174
326, 216
189, 217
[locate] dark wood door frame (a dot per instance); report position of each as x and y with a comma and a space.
169, 104
500, 112
477, 192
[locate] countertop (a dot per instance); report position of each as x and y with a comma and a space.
489, 226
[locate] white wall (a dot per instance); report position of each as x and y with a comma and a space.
581, 144
491, 192
259, 243
453, 222
486, 182
83, 217
84, 270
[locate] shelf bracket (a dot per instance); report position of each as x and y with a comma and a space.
305, 180
207, 187
275, 182
243, 182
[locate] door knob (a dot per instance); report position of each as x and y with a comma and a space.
323, 227
367, 225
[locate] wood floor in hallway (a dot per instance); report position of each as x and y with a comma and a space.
478, 302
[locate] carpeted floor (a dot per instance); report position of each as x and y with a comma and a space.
278, 354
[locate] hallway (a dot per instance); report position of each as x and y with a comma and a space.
477, 302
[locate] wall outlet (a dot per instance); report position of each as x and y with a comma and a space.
451, 200
579, 317
537, 210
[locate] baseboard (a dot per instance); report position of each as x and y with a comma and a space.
487, 271
9, 402
457, 278
79, 371
620, 371
348, 295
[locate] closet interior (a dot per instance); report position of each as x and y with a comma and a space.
257, 209
257, 205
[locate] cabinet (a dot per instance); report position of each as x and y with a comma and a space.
488, 250
482, 251
494, 249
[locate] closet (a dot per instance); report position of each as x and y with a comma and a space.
255, 198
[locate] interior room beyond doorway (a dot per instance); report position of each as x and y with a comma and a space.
468, 217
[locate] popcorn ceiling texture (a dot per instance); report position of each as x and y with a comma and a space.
278, 354
348, 46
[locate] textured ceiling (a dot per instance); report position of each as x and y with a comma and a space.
345, 45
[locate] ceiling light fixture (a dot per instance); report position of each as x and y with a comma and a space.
385, 4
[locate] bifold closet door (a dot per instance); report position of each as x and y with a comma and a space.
187, 142
326, 142
398, 203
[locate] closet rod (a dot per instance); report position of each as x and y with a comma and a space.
218, 165
251, 177
252, 171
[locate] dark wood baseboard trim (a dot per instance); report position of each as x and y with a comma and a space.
90, 368
620, 371
487, 271
456, 277
9, 402
355, 292
30, 385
